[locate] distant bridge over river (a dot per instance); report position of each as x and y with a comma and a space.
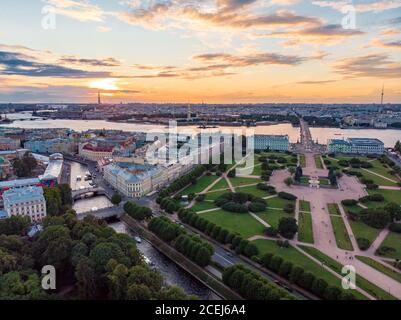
81, 193
102, 214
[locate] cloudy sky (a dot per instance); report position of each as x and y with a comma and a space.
216, 51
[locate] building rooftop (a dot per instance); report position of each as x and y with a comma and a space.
20, 195
53, 170
339, 142
132, 173
19, 183
91, 147
365, 141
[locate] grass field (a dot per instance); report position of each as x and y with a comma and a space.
304, 180
242, 223
204, 205
298, 259
277, 202
393, 240
381, 268
333, 209
201, 185
222, 184
376, 179
362, 230
379, 168
273, 217
253, 190
337, 267
215, 195
304, 206
318, 161
389, 195
302, 160
305, 229
324, 181
342, 239
240, 181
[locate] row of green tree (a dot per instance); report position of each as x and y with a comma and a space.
236, 242
168, 204
88, 256
305, 279
136, 211
183, 181
191, 246
253, 286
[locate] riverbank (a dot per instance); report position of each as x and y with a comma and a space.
201, 274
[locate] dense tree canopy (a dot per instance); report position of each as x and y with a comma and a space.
88, 256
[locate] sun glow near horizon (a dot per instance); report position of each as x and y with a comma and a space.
108, 84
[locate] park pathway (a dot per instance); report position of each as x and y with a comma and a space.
260, 220
379, 175
389, 188
333, 272
349, 229
378, 241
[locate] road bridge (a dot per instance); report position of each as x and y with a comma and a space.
102, 214
80, 193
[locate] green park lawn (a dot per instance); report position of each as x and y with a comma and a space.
324, 181
214, 195
302, 160
337, 267
204, 205
241, 223
201, 185
305, 229
222, 184
256, 170
318, 162
393, 240
272, 217
362, 230
298, 259
304, 180
253, 190
348, 158
333, 209
304, 206
376, 179
389, 195
379, 168
342, 239
278, 202
381, 268
241, 181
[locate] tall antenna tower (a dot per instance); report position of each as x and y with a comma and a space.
98, 98
382, 96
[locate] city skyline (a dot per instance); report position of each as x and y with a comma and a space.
223, 51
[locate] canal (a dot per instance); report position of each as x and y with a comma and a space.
172, 273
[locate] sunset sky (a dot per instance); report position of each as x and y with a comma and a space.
216, 51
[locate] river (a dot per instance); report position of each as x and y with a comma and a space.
173, 274
388, 136
84, 125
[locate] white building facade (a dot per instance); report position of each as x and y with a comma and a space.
28, 201
272, 142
